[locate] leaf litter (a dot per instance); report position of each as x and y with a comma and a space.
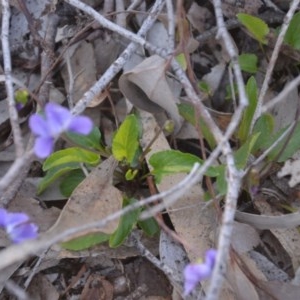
271, 222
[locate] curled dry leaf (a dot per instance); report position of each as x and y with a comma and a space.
94, 199
147, 87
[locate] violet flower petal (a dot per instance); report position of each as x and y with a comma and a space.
15, 219
3, 216
81, 125
210, 257
38, 125
58, 118
43, 146
23, 232
194, 273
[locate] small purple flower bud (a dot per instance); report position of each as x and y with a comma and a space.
194, 273
17, 226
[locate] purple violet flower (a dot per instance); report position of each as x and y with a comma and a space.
194, 273
17, 226
48, 128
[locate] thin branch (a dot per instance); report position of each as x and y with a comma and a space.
121, 15
267, 151
14, 170
47, 57
271, 65
169, 272
234, 176
13, 114
171, 25
282, 95
20, 252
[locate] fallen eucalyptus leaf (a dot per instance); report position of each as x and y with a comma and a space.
94, 199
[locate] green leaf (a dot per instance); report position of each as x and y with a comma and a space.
241, 156
69, 155
204, 87
290, 147
248, 62
265, 126
187, 111
86, 241
126, 224
180, 58
54, 174
149, 226
251, 90
125, 143
92, 140
130, 174
70, 182
292, 36
256, 26
172, 161
221, 182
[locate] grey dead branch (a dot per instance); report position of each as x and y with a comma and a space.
87, 76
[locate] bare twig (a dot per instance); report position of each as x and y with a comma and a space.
234, 176
173, 277
14, 170
171, 24
282, 95
267, 151
35, 269
13, 114
121, 15
47, 57
71, 80
271, 65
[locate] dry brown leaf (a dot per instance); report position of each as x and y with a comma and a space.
244, 237
199, 16
94, 199
278, 290
97, 288
231, 8
147, 88
288, 238
83, 65
7, 272
40, 288
268, 268
243, 287
291, 168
